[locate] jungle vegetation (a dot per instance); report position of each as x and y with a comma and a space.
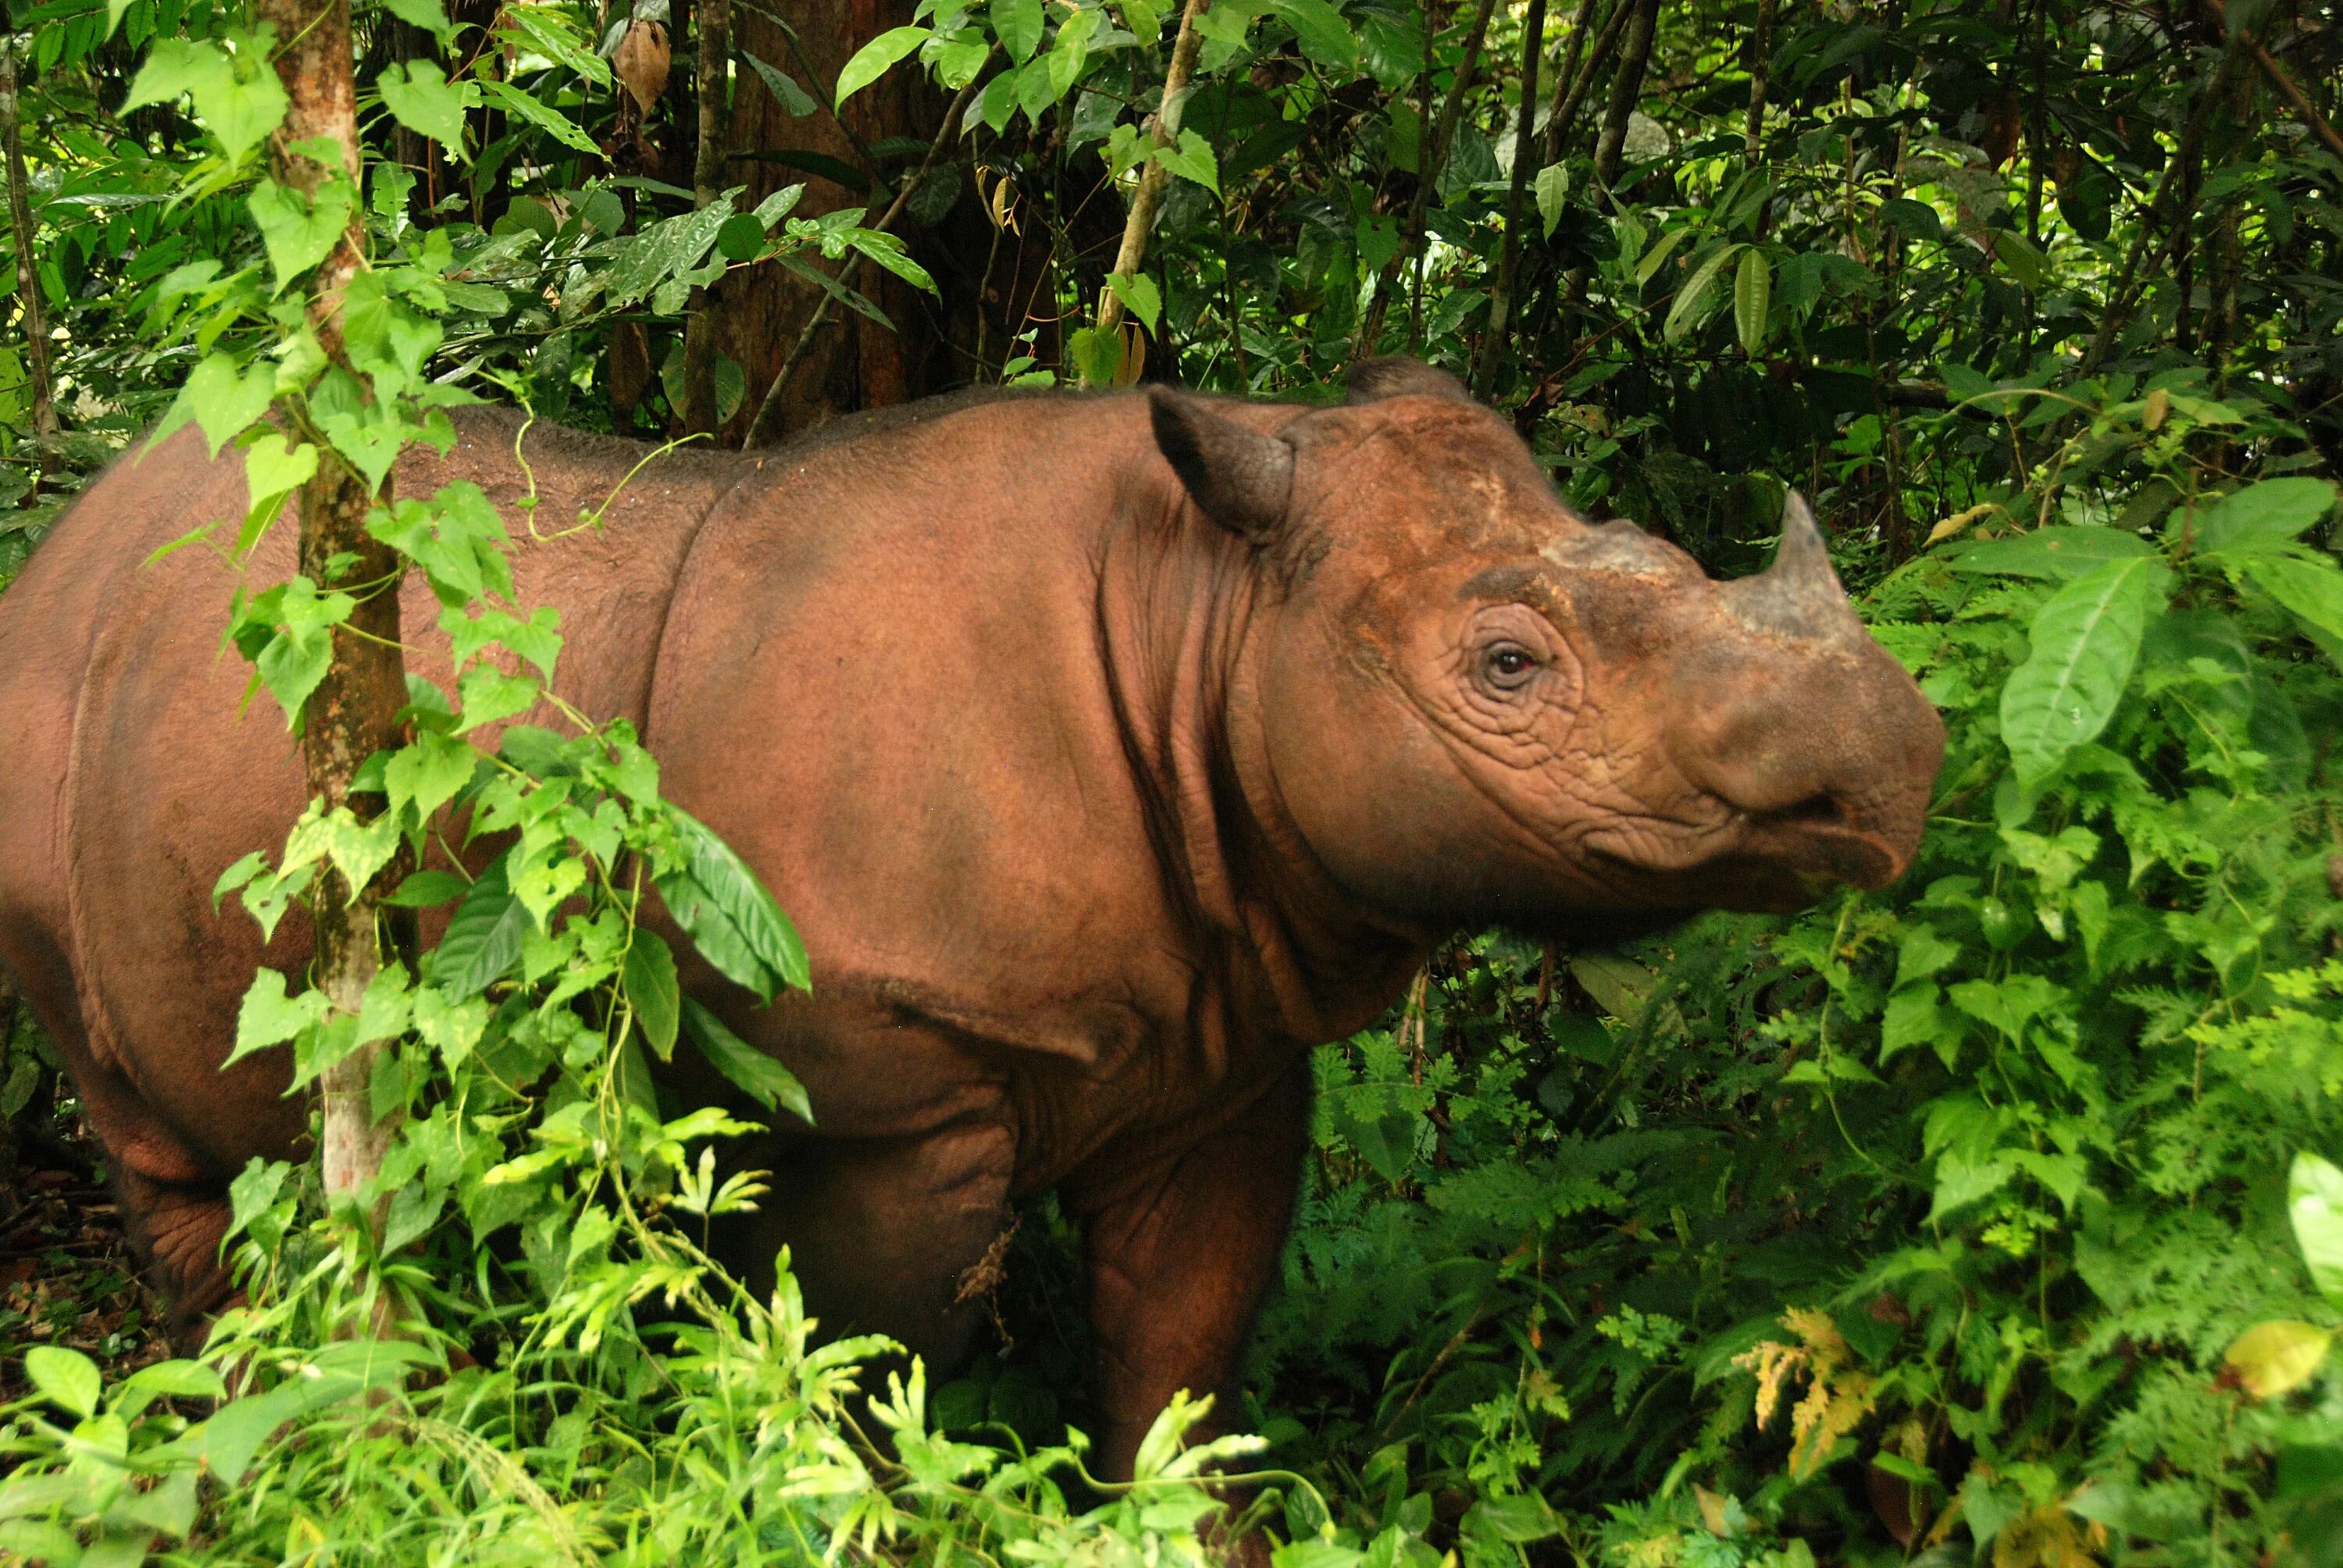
1987, 1218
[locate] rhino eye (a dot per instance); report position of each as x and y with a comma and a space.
1508, 666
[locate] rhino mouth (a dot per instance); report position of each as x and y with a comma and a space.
1767, 861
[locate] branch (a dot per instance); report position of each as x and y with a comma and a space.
1132, 255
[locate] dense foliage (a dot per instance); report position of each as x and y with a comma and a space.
1984, 1218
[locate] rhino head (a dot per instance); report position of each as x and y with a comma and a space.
1473, 705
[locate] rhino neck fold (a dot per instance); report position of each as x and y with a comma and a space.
1181, 605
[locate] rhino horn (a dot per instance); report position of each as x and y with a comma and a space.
1799, 593
1239, 477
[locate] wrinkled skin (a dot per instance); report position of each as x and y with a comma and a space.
1109, 752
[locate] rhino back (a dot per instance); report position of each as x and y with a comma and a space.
148, 780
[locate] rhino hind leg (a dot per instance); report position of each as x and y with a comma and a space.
173, 1207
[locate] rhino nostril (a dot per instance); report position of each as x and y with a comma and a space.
1821, 810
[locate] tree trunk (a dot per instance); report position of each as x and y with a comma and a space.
1626, 90
28, 279
1501, 300
353, 711
712, 85
852, 363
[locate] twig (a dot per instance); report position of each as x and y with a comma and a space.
1132, 255
1567, 72
847, 274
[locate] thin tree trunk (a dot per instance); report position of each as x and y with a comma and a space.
711, 83
28, 278
1761, 67
1567, 74
1130, 255
1573, 87
1626, 90
354, 712
1501, 300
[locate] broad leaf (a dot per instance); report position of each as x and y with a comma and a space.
420, 96
2263, 518
484, 936
1018, 24
874, 59
758, 1076
2085, 642
1753, 291
1693, 298
64, 1377
652, 987
2272, 1360
300, 232
735, 890
2314, 1202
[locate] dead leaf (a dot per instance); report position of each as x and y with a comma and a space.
641, 61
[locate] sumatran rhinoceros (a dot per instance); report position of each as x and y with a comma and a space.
1111, 753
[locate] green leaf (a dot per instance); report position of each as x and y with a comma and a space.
420, 96
273, 469
2310, 587
484, 936
301, 648
1552, 191
1319, 29
2263, 518
488, 694
236, 95
874, 59
1138, 296
268, 1017
2315, 1203
543, 115
2055, 554
298, 232
66, 1378
756, 1075
425, 774
1192, 160
1018, 24
740, 238
1694, 295
427, 14
427, 889
2027, 264
744, 900
651, 989
2085, 641
794, 100
223, 402
1753, 291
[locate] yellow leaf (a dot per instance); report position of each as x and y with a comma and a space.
1960, 520
2273, 1359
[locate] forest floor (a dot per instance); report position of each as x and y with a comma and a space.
67, 1273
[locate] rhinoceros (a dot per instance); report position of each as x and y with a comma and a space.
1111, 752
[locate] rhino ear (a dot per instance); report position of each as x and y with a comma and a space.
1396, 375
1241, 478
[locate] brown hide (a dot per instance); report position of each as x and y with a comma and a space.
1097, 811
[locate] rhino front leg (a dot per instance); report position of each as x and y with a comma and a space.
1180, 1253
